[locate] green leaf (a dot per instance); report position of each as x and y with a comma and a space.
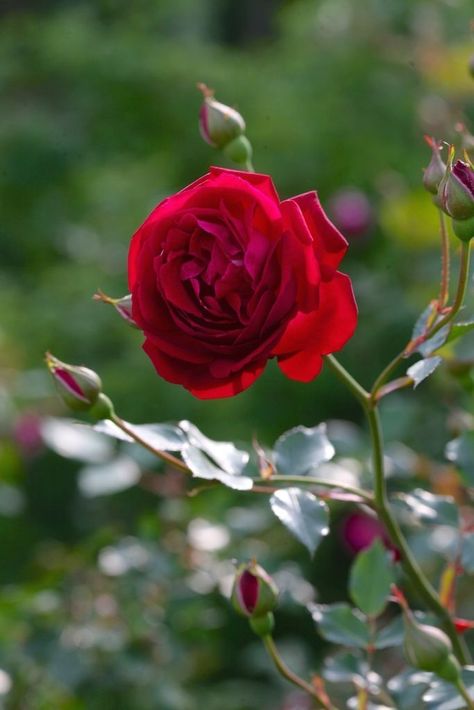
407, 688
421, 506
73, 440
423, 369
460, 329
305, 516
300, 450
444, 696
392, 634
202, 467
467, 555
165, 437
422, 321
341, 624
461, 452
370, 579
434, 343
345, 667
224, 453
116, 475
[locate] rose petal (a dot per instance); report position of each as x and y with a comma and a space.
329, 327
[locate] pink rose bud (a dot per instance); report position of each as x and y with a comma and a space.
219, 124
123, 305
436, 169
456, 189
254, 593
78, 386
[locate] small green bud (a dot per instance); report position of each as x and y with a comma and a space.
427, 647
254, 593
450, 670
262, 625
219, 124
464, 229
103, 408
78, 386
436, 169
239, 150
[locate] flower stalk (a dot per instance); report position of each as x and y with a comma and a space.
419, 581
287, 673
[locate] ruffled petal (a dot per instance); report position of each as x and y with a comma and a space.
302, 366
329, 243
329, 327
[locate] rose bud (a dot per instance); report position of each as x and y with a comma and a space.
78, 386
123, 305
456, 190
436, 169
254, 593
218, 124
429, 649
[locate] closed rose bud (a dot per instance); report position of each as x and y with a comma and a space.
254, 593
429, 649
436, 169
78, 386
219, 124
456, 191
123, 305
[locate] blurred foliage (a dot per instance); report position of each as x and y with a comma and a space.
115, 601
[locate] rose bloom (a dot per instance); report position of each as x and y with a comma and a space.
224, 276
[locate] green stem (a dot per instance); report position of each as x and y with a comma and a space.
444, 288
249, 167
311, 481
357, 390
462, 690
290, 676
409, 563
164, 455
460, 291
453, 311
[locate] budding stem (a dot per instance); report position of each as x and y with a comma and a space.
164, 455
462, 690
445, 258
463, 278
292, 677
382, 506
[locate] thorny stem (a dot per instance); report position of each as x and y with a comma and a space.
309, 480
177, 463
290, 676
410, 565
462, 690
444, 288
164, 455
453, 311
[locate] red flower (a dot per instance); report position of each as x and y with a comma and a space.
224, 276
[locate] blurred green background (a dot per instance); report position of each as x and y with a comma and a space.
114, 601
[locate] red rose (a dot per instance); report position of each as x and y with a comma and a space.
224, 276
